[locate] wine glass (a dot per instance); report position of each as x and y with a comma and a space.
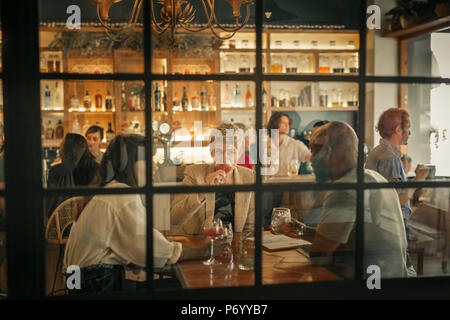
294, 166
228, 233
280, 216
212, 228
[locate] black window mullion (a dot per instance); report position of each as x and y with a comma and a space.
258, 125
148, 133
359, 234
23, 172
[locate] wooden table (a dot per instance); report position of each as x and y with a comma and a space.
288, 266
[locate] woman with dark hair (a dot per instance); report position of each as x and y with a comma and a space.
76, 167
109, 231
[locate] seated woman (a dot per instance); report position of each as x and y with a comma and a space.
109, 232
75, 167
190, 211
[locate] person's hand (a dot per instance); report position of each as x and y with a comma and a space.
421, 172
216, 178
203, 251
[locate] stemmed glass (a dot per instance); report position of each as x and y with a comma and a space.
212, 228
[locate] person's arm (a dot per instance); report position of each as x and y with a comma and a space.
322, 246
185, 205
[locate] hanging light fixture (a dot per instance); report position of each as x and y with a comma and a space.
172, 15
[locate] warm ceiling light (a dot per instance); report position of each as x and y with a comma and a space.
174, 14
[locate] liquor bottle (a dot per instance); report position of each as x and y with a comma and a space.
108, 101
211, 97
59, 131
49, 131
98, 101
264, 98
109, 133
176, 102
237, 96
57, 100
87, 101
74, 103
47, 98
226, 100
248, 98
75, 126
135, 125
203, 99
164, 103
124, 97
195, 101
184, 100
157, 95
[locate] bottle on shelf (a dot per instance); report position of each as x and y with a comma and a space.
184, 100
211, 97
108, 101
305, 63
57, 98
176, 102
244, 63
282, 100
338, 64
164, 102
109, 133
264, 97
47, 98
123, 94
87, 101
336, 98
229, 64
203, 98
291, 64
49, 131
98, 101
226, 95
353, 64
135, 124
76, 126
195, 101
323, 98
324, 66
59, 131
74, 103
248, 98
237, 96
353, 97
132, 101
277, 64
157, 98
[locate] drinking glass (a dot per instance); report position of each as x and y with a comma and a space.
246, 251
280, 216
228, 233
212, 228
293, 167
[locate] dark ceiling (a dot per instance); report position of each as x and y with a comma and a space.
285, 12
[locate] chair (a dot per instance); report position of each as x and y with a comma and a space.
57, 231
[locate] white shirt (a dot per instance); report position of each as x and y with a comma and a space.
290, 149
112, 230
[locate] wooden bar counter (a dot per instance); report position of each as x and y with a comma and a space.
286, 266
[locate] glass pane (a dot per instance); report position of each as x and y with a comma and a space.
302, 40
91, 114
294, 111
428, 230
81, 44
404, 46
188, 116
212, 51
230, 241
102, 238
310, 237
417, 131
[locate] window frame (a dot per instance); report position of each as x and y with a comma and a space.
26, 249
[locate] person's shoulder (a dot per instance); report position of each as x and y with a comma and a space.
373, 176
380, 152
245, 173
197, 167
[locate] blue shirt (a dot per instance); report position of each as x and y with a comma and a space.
386, 160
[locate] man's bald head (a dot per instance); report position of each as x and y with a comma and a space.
338, 143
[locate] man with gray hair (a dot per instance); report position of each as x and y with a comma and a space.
334, 159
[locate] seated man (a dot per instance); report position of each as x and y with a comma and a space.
334, 158
190, 211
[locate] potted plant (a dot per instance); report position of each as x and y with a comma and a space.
408, 13
441, 7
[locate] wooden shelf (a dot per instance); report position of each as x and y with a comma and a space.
314, 109
237, 109
420, 29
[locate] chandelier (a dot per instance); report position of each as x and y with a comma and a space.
172, 15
